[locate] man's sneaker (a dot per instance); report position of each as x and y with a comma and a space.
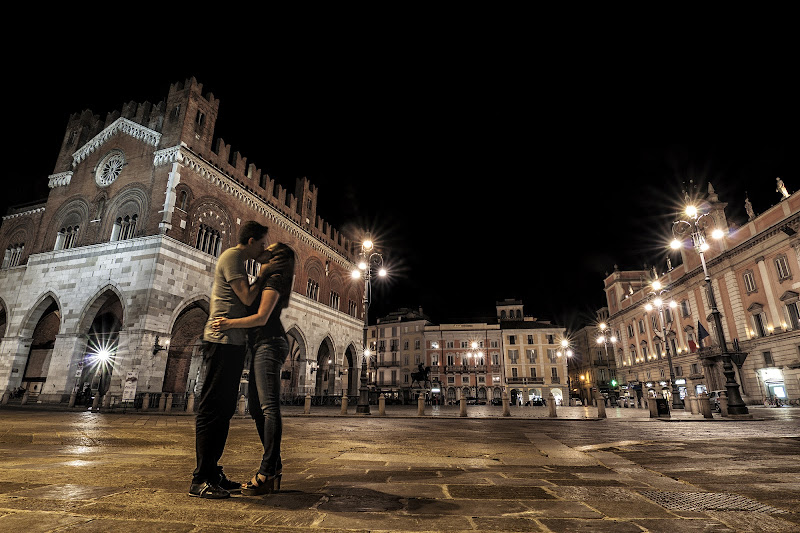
207, 490
227, 484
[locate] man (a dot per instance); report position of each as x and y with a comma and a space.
224, 354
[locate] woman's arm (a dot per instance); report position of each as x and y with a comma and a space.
269, 298
248, 293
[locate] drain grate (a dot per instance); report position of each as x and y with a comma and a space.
707, 501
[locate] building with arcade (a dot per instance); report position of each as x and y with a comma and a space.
105, 284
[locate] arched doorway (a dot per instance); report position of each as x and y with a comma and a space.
352, 371
3, 319
291, 371
183, 355
325, 370
558, 396
102, 342
42, 343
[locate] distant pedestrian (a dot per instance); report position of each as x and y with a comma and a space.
223, 358
269, 346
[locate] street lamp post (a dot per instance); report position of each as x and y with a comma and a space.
695, 224
657, 302
368, 258
475, 355
605, 338
566, 351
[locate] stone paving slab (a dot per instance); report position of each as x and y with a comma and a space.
130, 472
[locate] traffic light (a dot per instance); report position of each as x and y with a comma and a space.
613, 382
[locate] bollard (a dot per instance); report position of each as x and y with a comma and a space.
693, 404
6, 395
723, 403
381, 405
106, 401
420, 405
651, 404
145, 401
96, 402
242, 405
72, 398
551, 401
168, 403
189, 403
162, 402
504, 399
705, 406
24, 397
463, 407
344, 405
601, 406
307, 408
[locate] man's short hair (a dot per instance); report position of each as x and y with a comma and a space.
251, 230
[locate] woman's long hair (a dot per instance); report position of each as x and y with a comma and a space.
282, 264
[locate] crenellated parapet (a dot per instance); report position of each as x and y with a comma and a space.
337, 252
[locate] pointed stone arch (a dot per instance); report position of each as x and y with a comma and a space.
95, 303
41, 329
184, 355
326, 368
100, 323
3, 318
35, 313
352, 367
293, 372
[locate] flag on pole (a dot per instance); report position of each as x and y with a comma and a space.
701, 332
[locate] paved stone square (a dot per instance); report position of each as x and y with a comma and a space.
75, 470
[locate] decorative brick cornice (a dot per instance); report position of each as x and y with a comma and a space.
167, 156
233, 188
25, 213
61, 179
137, 131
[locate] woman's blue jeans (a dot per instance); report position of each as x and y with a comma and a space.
264, 399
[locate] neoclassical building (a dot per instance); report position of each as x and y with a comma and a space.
106, 283
514, 353
752, 268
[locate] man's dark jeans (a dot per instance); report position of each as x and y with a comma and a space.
264, 399
217, 404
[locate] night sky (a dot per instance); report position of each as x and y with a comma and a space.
480, 176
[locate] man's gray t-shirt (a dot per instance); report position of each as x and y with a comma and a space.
224, 302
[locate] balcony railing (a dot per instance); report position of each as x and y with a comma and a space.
524, 381
555, 380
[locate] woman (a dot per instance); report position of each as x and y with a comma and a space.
269, 346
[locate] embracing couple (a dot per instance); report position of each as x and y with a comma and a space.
243, 315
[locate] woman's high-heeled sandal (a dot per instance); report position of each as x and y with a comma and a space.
259, 487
